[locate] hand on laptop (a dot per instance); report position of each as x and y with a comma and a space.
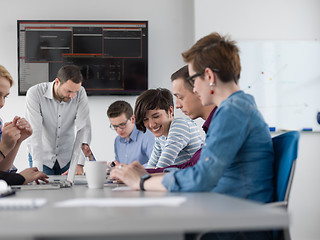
79, 170
33, 174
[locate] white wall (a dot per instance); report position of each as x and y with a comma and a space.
173, 27
171, 31
276, 20
266, 20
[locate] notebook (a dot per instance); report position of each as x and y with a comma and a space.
62, 181
21, 203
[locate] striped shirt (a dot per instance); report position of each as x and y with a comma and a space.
183, 141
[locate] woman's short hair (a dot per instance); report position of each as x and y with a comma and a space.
4, 73
160, 98
216, 52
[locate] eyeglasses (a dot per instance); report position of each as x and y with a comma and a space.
121, 125
191, 79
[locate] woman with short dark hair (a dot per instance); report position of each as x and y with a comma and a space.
177, 139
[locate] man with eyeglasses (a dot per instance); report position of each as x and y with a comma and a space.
130, 144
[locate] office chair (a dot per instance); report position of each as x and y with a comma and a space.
285, 148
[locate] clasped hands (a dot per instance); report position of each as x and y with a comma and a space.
14, 132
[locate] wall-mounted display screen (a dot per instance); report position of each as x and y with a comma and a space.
112, 55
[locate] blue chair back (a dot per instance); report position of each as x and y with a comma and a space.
286, 151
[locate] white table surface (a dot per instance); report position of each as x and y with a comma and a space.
201, 212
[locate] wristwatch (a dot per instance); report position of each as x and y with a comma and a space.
142, 179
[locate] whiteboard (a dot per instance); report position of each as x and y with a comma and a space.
284, 78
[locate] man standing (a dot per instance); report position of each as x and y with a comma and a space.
55, 111
130, 144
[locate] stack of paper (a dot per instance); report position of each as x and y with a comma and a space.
21, 203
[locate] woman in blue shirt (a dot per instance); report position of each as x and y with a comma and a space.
237, 157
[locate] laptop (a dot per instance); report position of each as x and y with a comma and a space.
88, 154
80, 150
63, 181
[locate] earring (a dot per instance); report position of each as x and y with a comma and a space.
211, 87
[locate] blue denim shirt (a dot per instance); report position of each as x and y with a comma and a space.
139, 147
237, 157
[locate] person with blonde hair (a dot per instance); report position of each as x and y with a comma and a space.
12, 134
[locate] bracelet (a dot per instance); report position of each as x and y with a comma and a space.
142, 180
4, 156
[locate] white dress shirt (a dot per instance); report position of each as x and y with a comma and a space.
54, 125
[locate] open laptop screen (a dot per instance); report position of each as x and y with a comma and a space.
75, 155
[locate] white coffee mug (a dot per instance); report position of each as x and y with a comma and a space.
96, 172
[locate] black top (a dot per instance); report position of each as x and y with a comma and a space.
12, 178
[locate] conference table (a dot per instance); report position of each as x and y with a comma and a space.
196, 213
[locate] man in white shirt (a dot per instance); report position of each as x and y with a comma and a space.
55, 111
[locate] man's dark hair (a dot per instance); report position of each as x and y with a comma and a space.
160, 98
119, 107
69, 72
182, 73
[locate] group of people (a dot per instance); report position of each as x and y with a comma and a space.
237, 156
54, 111
155, 150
